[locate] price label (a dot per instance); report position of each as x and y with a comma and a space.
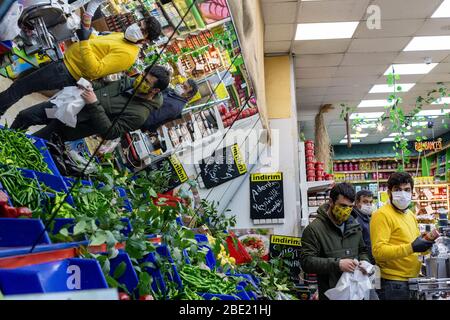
428, 194
214, 61
199, 67
429, 209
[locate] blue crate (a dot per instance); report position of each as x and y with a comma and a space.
70, 224
6, 192
210, 259
17, 251
240, 295
123, 194
70, 181
21, 232
56, 276
129, 278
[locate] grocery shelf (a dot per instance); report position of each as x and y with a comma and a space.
312, 209
319, 185
439, 185
434, 200
373, 171
350, 172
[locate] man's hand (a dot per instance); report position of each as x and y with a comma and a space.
348, 265
89, 96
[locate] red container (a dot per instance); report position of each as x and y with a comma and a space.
310, 166
319, 166
319, 179
340, 167
356, 166
329, 177
319, 173
311, 173
310, 152
310, 178
309, 159
335, 167
346, 167
309, 145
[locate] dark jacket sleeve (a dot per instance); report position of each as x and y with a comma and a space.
363, 251
309, 258
128, 121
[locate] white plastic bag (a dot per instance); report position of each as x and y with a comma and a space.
353, 285
68, 103
9, 29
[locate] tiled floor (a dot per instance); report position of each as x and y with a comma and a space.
24, 103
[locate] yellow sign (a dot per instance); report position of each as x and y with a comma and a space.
429, 145
242, 168
290, 241
178, 167
255, 177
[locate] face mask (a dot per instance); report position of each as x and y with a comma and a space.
401, 199
179, 90
366, 209
134, 33
144, 88
341, 214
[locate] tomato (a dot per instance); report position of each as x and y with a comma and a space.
124, 296
223, 109
146, 297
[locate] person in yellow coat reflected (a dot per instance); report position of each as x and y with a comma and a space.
396, 239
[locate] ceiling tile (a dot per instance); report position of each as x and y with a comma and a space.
353, 88
435, 27
319, 60
310, 99
406, 78
434, 78
379, 45
305, 73
311, 83
352, 71
312, 91
279, 12
321, 46
419, 56
279, 32
353, 80
390, 28
362, 59
441, 68
277, 46
332, 11
407, 9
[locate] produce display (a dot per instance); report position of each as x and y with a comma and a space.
201, 280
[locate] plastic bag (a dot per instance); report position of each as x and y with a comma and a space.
9, 28
353, 285
68, 103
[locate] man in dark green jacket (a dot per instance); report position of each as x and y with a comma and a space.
100, 115
333, 242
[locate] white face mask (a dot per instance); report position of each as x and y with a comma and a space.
179, 90
367, 209
134, 33
401, 199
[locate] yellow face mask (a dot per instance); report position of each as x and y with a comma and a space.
341, 214
144, 87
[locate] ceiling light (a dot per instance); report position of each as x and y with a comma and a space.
388, 140
419, 124
443, 11
374, 103
357, 135
367, 115
395, 134
352, 140
429, 43
426, 113
443, 100
410, 68
382, 88
380, 127
328, 30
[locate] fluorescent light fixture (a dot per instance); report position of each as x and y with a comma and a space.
328, 30
420, 123
429, 43
383, 88
352, 140
357, 135
395, 134
443, 11
367, 115
374, 103
427, 113
388, 140
411, 68
443, 100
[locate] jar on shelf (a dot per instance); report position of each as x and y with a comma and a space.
357, 167
312, 201
309, 145
340, 167
309, 158
310, 166
335, 167
346, 166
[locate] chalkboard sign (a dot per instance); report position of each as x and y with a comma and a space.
223, 166
288, 249
266, 196
179, 175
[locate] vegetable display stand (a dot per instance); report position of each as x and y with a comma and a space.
57, 276
69, 223
122, 269
203, 242
123, 194
22, 232
240, 295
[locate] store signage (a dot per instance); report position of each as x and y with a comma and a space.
288, 249
266, 196
178, 167
429, 145
225, 165
179, 175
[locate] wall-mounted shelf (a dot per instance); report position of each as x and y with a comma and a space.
314, 186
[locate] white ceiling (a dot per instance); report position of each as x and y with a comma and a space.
344, 70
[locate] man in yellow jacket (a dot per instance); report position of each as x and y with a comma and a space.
91, 58
396, 239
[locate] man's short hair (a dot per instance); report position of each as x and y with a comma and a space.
194, 88
344, 189
398, 178
153, 28
160, 73
363, 193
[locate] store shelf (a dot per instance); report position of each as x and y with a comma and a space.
351, 172
319, 185
435, 200
373, 171
312, 210
439, 185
